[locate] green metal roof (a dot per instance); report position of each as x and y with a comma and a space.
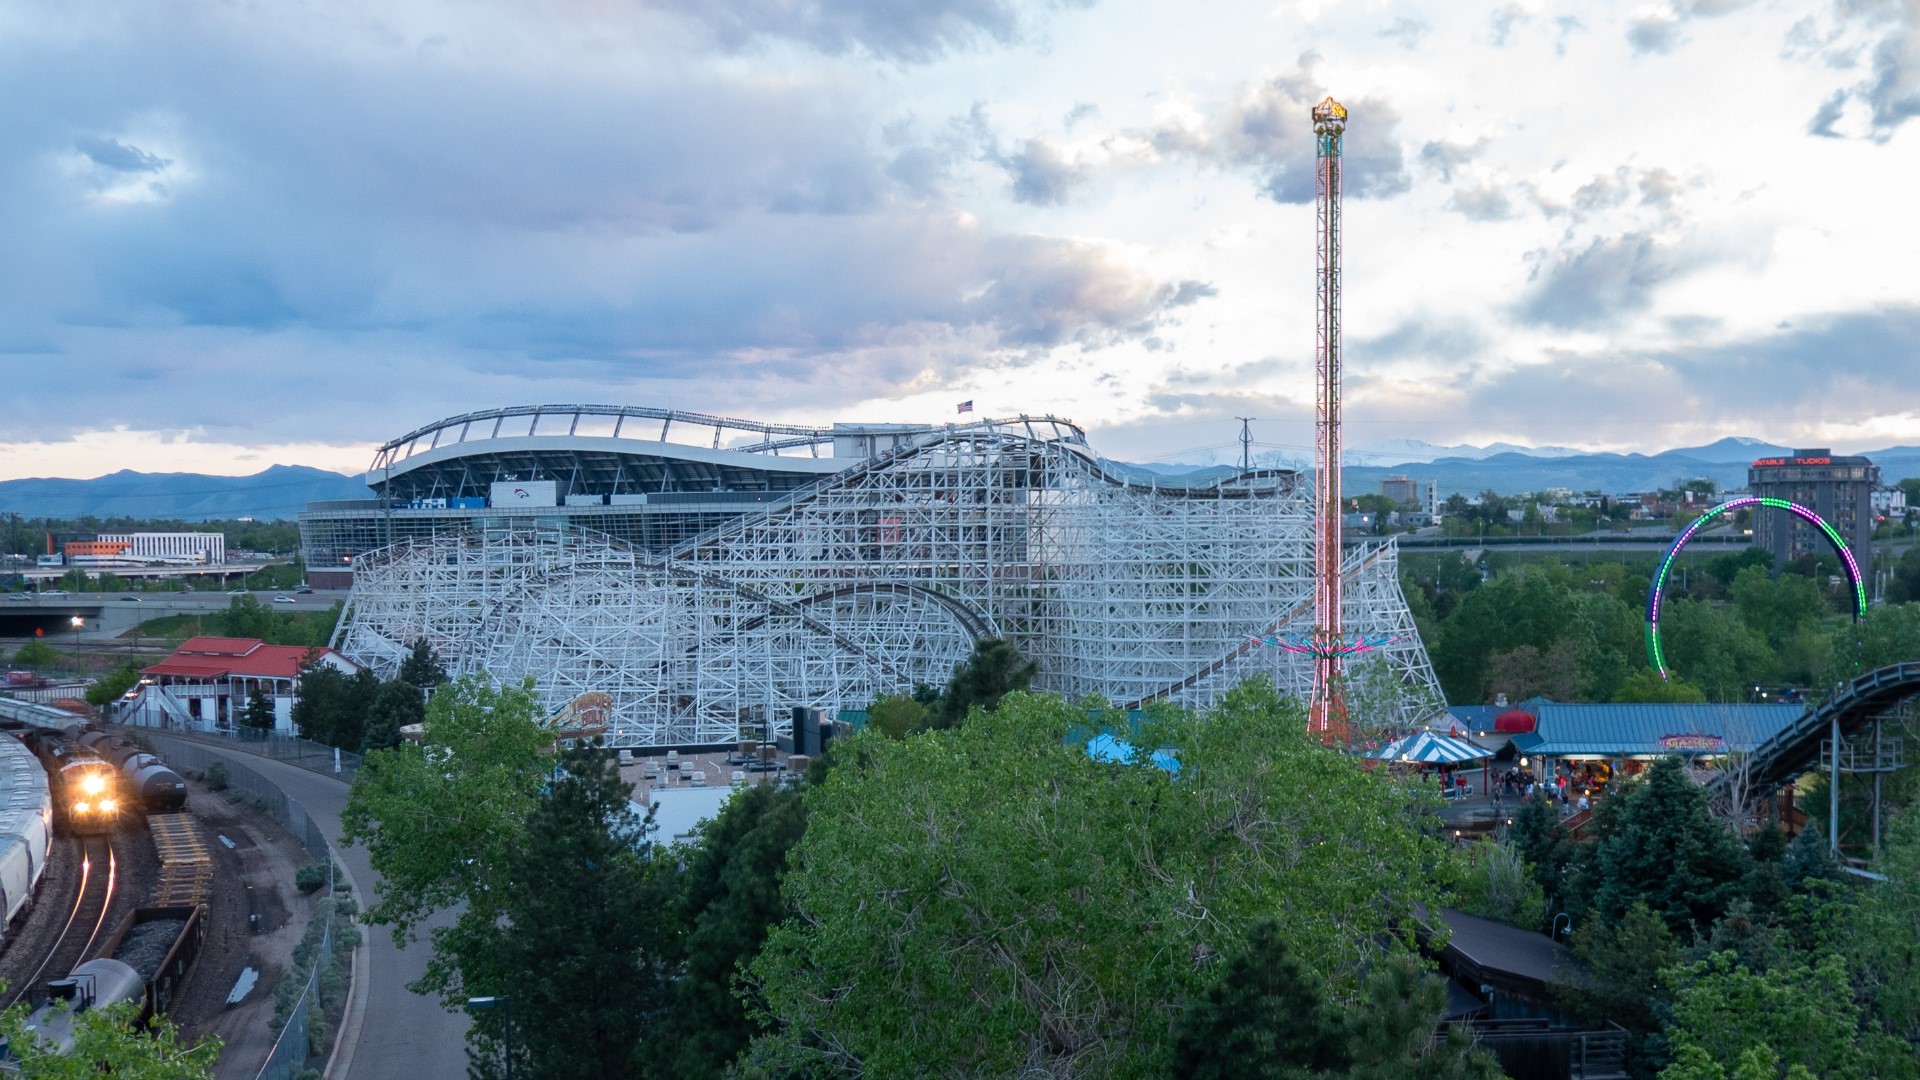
1629, 730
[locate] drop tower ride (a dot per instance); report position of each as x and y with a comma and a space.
1327, 713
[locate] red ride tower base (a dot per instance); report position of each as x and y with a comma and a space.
1327, 714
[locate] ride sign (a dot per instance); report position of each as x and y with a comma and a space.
1693, 744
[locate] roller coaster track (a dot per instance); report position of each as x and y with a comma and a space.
1796, 748
1301, 610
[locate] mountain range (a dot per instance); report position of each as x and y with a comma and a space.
282, 491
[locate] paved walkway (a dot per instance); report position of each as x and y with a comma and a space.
403, 1036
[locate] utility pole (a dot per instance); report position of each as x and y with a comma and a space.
1246, 442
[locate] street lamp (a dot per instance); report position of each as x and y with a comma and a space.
77, 622
504, 1004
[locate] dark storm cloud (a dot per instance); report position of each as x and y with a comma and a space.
907, 32
120, 157
1267, 131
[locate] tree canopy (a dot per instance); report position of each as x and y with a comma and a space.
989, 898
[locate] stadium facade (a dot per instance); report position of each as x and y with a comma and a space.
707, 587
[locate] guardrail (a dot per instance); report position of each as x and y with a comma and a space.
292, 1047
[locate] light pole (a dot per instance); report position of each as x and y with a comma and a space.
505, 1005
77, 622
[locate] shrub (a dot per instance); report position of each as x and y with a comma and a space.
310, 878
217, 776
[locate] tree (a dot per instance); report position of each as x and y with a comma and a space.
578, 940
36, 654
110, 687
1525, 673
441, 818
422, 667
987, 899
1646, 685
395, 705
1621, 979
1263, 1017
105, 1043
993, 670
729, 898
331, 706
1543, 843
1801, 1015
896, 715
1658, 844
258, 714
1497, 884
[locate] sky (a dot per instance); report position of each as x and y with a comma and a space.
247, 233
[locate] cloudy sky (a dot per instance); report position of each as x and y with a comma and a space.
246, 233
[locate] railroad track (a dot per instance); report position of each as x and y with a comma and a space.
86, 921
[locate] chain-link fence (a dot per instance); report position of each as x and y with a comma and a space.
309, 755
294, 1044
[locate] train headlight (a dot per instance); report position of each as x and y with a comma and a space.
108, 806
94, 784
80, 808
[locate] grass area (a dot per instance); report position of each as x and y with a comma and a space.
171, 628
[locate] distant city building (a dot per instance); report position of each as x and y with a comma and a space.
1419, 494
1839, 489
185, 548
1889, 502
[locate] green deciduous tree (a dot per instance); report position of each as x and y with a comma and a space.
105, 1044
578, 942
108, 688
729, 898
441, 818
1646, 685
36, 654
331, 706
896, 715
1496, 883
987, 899
1801, 1015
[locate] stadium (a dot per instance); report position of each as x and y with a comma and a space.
708, 575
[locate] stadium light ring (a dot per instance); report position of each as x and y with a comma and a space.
1655, 655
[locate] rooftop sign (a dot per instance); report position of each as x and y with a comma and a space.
1694, 744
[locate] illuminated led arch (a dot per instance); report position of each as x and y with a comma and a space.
1654, 654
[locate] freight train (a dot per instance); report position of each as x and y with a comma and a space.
26, 827
97, 780
143, 962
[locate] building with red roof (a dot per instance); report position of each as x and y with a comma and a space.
207, 681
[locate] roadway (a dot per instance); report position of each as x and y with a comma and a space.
401, 1035
110, 614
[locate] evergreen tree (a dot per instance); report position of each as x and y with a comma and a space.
258, 714
729, 896
1391, 1030
577, 950
1808, 858
1658, 844
994, 670
1620, 980
422, 667
395, 705
1263, 1018
1543, 842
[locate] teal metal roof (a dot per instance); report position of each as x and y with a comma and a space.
1629, 730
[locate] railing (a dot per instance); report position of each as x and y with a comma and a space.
1532, 1049
292, 1048
304, 753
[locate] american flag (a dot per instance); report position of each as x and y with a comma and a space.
966, 406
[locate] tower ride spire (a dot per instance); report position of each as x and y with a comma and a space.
1327, 711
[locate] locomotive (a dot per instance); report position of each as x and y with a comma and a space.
88, 797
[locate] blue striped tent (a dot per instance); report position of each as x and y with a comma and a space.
1431, 748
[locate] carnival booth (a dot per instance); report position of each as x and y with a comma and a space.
1443, 753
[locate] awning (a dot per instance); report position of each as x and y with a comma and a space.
1431, 748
